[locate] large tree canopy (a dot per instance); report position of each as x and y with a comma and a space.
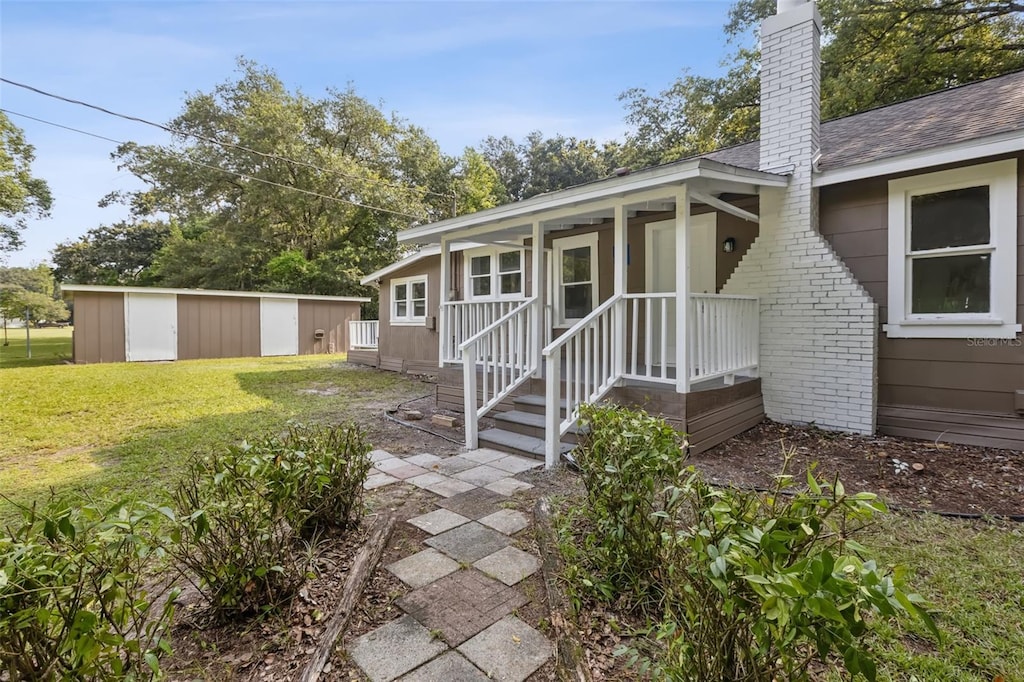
21, 195
32, 289
874, 52
122, 253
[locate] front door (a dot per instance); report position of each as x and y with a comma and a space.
661, 272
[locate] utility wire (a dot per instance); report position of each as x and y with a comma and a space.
244, 176
213, 140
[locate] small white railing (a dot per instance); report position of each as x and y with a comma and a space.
651, 352
723, 335
461, 320
503, 354
363, 334
592, 366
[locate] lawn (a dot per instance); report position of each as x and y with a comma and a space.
127, 428
49, 347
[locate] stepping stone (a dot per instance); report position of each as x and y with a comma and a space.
423, 480
394, 649
389, 464
483, 455
514, 464
468, 543
453, 465
509, 565
451, 667
508, 651
407, 471
423, 460
424, 568
507, 521
481, 475
508, 486
449, 487
474, 504
461, 604
438, 521
378, 455
378, 480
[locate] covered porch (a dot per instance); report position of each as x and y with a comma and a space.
601, 303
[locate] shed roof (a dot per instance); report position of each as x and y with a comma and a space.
74, 288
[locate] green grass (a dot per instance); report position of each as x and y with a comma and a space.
113, 430
49, 347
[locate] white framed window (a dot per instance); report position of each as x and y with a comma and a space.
953, 253
409, 300
494, 273
576, 277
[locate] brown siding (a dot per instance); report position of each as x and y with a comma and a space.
218, 327
330, 316
99, 327
415, 346
945, 374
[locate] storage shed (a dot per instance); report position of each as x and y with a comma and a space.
133, 324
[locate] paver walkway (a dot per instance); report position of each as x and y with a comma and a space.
459, 621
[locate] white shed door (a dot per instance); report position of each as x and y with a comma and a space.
150, 327
279, 326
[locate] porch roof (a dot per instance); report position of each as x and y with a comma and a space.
594, 198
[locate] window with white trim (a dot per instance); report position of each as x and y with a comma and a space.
494, 273
576, 272
409, 300
953, 253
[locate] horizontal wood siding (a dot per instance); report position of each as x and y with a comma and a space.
330, 316
953, 426
952, 375
415, 344
218, 327
364, 357
99, 327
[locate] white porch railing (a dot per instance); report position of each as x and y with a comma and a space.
650, 355
461, 320
503, 353
723, 335
592, 368
363, 334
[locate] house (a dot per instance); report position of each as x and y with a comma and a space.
133, 324
862, 275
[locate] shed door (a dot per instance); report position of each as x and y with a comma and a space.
151, 327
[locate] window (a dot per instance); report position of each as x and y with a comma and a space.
953, 253
409, 300
493, 273
576, 263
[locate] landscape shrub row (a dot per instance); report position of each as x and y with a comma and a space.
84, 593
739, 584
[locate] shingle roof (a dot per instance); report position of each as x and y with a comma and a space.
942, 118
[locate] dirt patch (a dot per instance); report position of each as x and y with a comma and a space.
905, 473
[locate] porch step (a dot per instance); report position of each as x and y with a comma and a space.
530, 424
535, 404
517, 443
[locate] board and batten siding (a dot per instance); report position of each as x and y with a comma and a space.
957, 375
98, 328
411, 348
218, 327
330, 317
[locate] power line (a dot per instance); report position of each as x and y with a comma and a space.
213, 140
244, 176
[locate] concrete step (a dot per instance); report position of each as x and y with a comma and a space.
530, 424
516, 443
535, 403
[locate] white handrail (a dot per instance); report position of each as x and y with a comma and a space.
462, 319
363, 334
650, 318
724, 336
503, 352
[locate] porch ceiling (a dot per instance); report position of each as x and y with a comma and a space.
653, 189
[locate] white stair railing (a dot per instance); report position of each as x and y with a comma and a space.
363, 334
461, 320
651, 349
503, 353
723, 336
592, 359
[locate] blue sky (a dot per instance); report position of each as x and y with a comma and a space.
461, 70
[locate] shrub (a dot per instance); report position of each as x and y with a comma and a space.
73, 601
243, 512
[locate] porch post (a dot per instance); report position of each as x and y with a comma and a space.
682, 290
538, 333
442, 311
621, 249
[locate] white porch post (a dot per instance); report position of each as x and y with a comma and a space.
442, 312
682, 290
539, 287
621, 249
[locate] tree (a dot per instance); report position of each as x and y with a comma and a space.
874, 52
122, 253
33, 289
22, 196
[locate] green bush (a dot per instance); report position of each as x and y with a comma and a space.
243, 513
74, 604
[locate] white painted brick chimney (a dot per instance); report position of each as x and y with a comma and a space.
818, 324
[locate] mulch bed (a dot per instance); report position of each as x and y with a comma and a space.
948, 477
